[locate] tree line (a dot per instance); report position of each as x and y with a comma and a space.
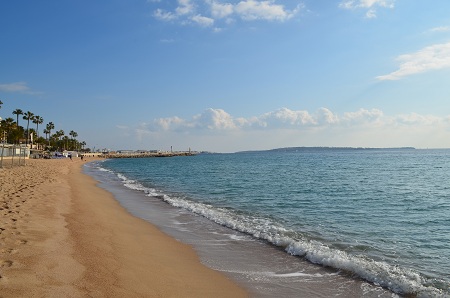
55, 140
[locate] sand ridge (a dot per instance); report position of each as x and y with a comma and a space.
62, 236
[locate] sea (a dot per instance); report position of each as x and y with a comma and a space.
301, 222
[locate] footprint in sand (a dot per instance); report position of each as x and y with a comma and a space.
8, 251
5, 264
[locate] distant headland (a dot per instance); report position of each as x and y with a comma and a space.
305, 149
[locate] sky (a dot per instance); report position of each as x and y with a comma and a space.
226, 76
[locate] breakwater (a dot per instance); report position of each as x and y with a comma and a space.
147, 154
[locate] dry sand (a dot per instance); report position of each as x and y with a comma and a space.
62, 236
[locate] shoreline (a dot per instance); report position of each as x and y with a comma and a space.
264, 269
62, 235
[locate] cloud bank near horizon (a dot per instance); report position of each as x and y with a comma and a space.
218, 120
217, 130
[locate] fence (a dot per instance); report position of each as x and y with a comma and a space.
13, 155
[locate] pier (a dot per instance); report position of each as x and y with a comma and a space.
147, 154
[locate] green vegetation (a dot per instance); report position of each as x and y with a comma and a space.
11, 132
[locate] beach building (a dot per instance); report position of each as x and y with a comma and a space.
13, 154
70, 153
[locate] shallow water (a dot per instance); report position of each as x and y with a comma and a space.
267, 217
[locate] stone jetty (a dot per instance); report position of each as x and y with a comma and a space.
146, 154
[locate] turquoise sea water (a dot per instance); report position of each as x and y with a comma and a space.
379, 215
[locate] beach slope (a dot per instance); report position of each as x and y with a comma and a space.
62, 236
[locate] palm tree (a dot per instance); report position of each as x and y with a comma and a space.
17, 112
17, 133
40, 141
28, 116
49, 128
66, 142
7, 126
58, 135
73, 135
46, 131
38, 120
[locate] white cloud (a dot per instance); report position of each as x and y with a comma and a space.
164, 15
172, 123
18, 87
203, 21
352, 4
370, 5
219, 10
15, 87
184, 7
219, 120
430, 58
325, 116
417, 119
213, 119
440, 29
262, 10
363, 116
167, 40
208, 12
284, 118
371, 13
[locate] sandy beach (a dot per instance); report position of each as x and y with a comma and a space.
62, 236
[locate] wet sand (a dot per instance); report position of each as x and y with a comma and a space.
62, 236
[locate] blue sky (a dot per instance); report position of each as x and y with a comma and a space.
231, 75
